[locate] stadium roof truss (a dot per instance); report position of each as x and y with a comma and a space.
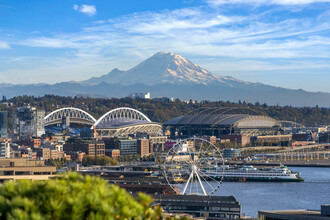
125, 121
217, 116
76, 116
154, 129
256, 121
128, 113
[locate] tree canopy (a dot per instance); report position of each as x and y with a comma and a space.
99, 160
72, 196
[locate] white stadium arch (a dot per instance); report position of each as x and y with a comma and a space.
122, 112
124, 121
76, 116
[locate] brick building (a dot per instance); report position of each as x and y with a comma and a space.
143, 147
75, 155
268, 140
157, 143
43, 153
115, 153
88, 146
239, 139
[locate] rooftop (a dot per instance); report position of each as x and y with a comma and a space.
121, 122
212, 119
293, 214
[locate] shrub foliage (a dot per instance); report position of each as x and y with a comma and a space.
72, 196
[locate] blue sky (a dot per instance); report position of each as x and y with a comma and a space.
284, 43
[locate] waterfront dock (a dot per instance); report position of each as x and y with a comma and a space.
209, 207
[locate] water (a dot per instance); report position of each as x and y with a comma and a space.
255, 196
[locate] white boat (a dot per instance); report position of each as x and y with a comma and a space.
250, 173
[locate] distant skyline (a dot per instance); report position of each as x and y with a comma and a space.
284, 43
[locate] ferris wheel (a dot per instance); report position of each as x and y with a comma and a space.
194, 166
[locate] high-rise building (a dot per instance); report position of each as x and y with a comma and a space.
23, 122
39, 122
27, 122
4, 148
3, 124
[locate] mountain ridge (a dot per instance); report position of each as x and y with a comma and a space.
168, 74
262, 94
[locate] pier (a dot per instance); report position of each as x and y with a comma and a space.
210, 207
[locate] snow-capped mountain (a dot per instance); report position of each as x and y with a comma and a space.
164, 67
171, 75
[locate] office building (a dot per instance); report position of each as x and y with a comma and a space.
140, 95
128, 147
238, 139
39, 115
124, 145
157, 143
143, 147
3, 124
4, 148
23, 168
43, 153
88, 146
28, 122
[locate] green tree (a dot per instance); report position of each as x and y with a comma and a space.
56, 162
88, 160
72, 196
99, 160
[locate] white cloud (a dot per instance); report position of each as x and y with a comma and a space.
4, 45
89, 10
214, 38
194, 31
265, 2
50, 43
198, 31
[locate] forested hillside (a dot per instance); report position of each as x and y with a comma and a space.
161, 111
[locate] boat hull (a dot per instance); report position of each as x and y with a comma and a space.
257, 179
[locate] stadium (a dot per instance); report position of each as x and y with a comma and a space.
123, 122
69, 121
115, 123
218, 121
